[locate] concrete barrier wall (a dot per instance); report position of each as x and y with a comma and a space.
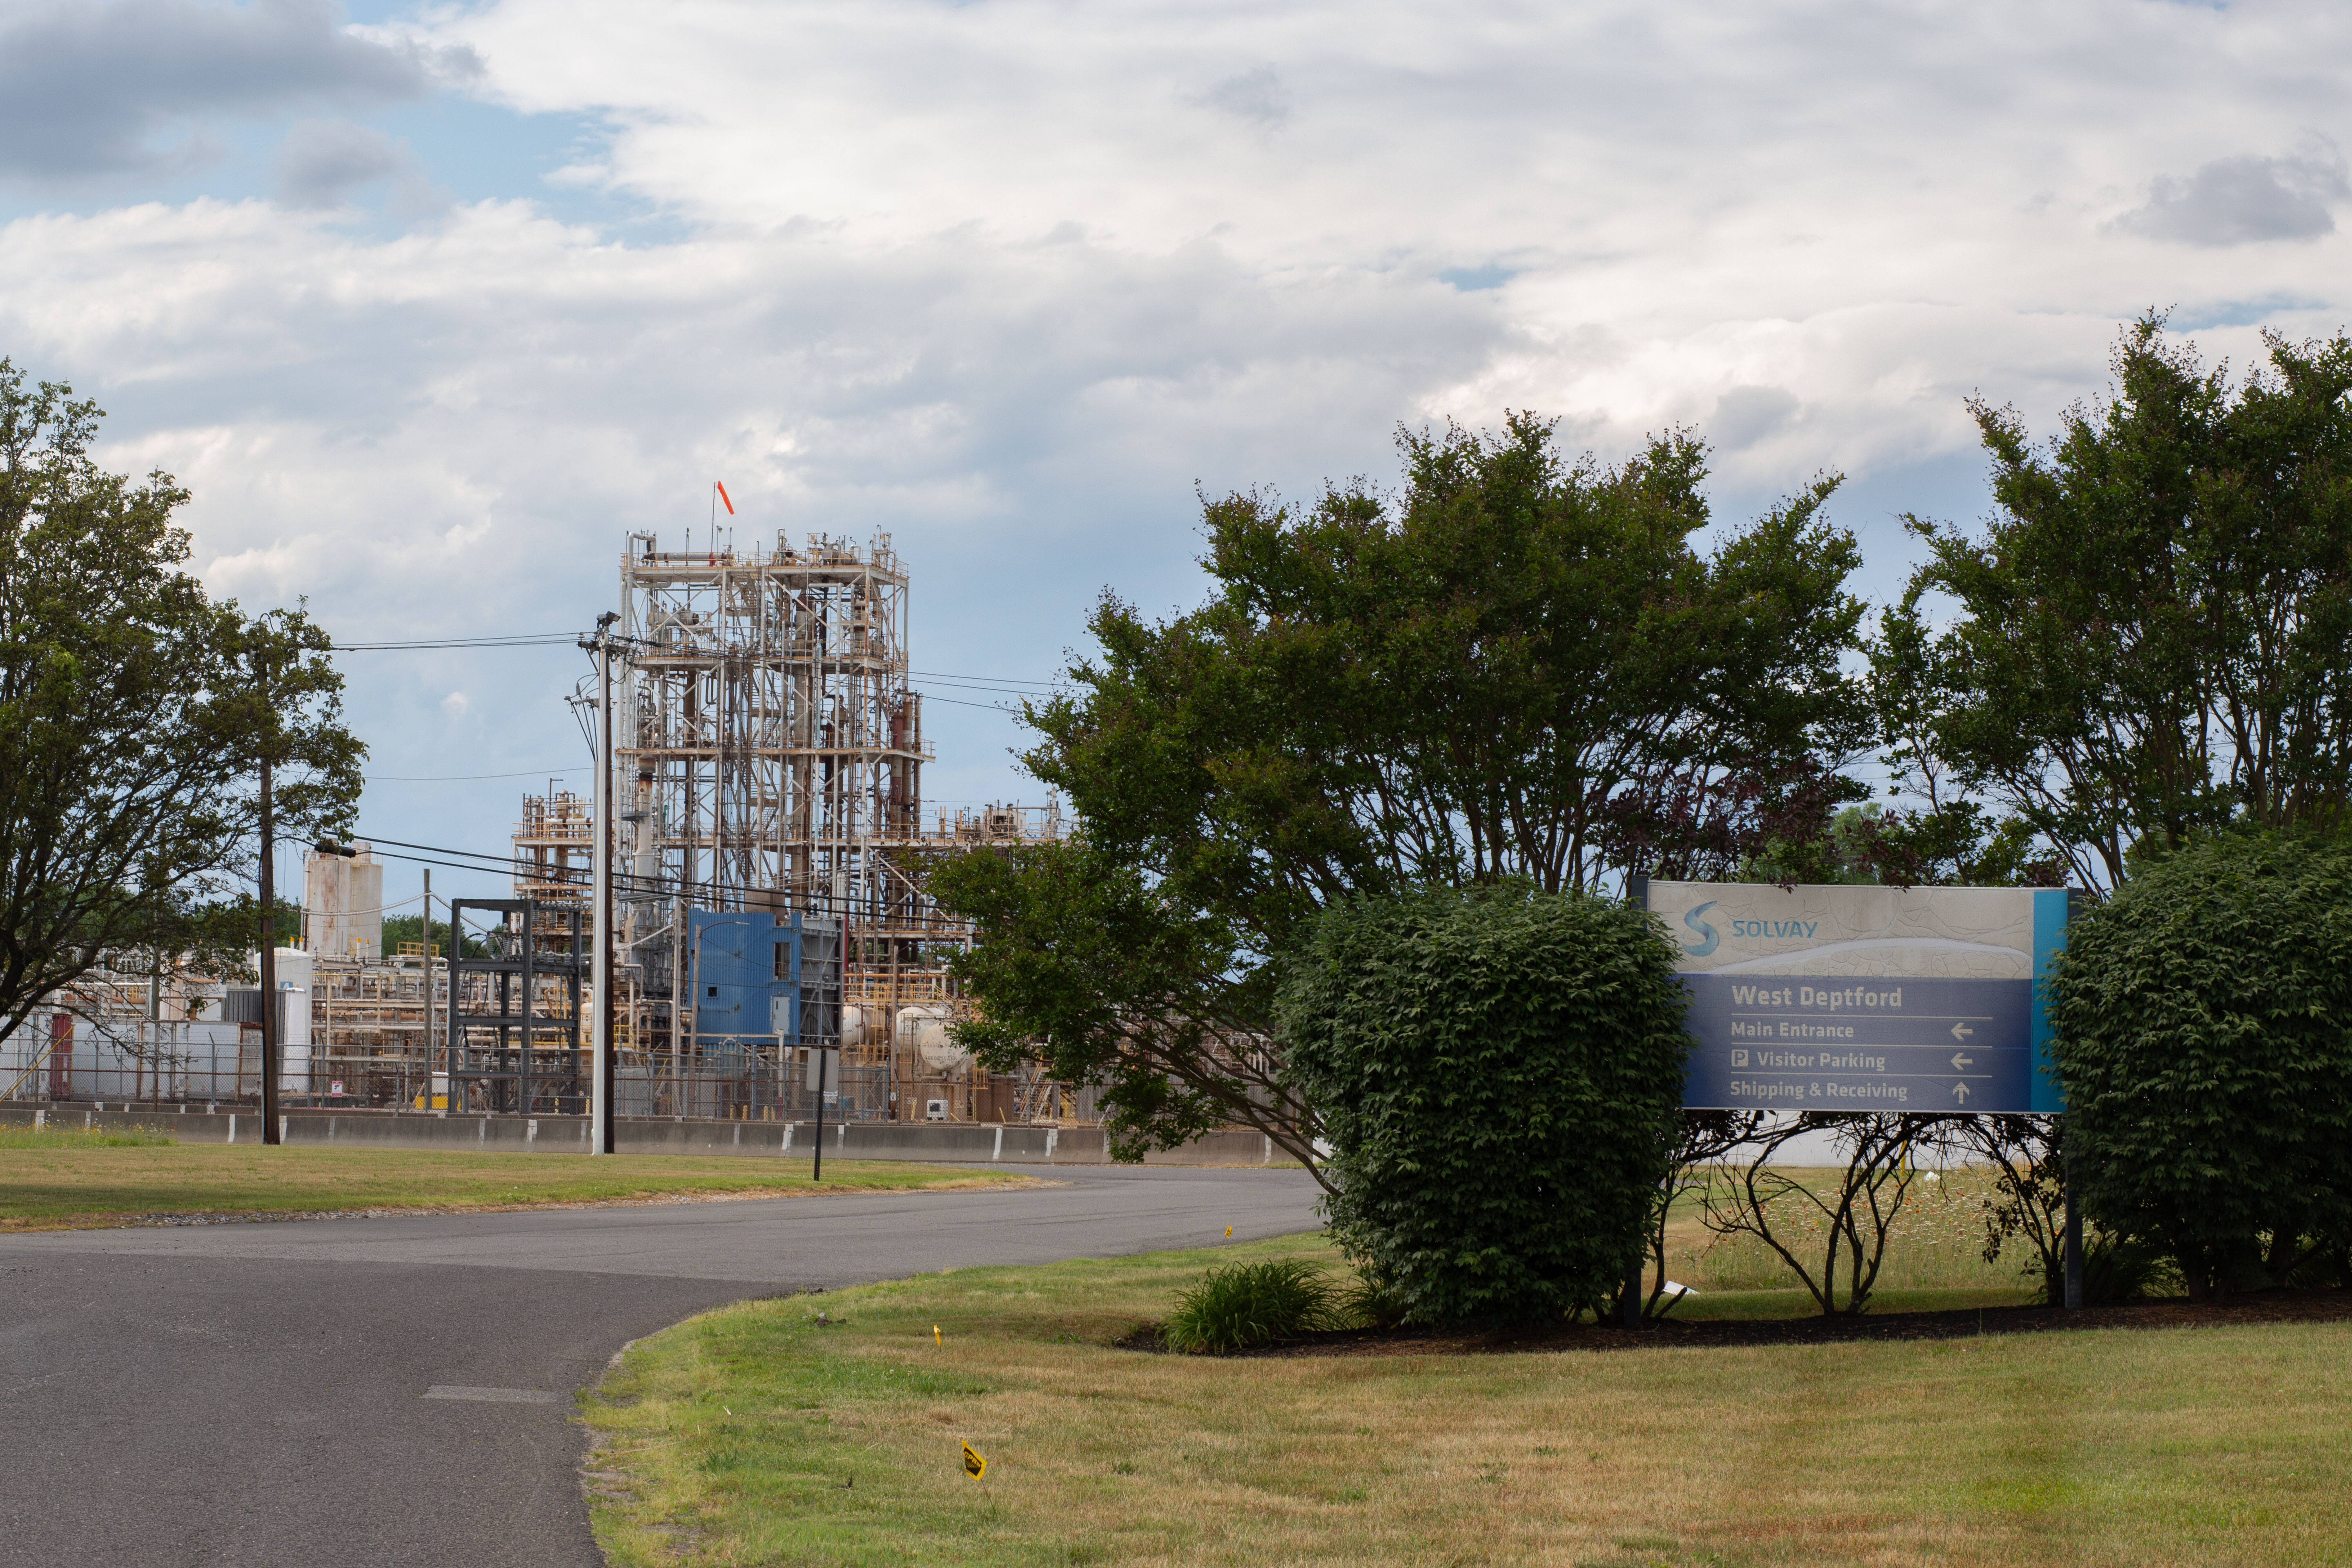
928, 1142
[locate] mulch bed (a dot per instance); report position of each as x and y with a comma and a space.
2257, 1307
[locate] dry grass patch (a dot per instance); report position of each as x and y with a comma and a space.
67, 1179
1935, 1256
759, 1435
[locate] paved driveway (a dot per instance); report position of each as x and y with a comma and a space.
257, 1395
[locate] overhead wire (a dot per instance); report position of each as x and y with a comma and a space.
966, 679
463, 778
502, 865
1008, 686
960, 678
522, 639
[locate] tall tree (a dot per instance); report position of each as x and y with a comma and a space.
132, 712
1519, 667
2155, 629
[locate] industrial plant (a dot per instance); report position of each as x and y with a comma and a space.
771, 928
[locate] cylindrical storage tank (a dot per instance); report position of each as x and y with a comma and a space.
923, 1029
853, 1025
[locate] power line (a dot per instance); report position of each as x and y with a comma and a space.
461, 778
528, 640
965, 676
990, 706
1011, 683
504, 868
978, 686
504, 859
505, 865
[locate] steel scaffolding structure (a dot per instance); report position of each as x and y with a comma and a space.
767, 758
771, 752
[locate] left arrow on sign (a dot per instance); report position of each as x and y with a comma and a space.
1962, 1061
1961, 1031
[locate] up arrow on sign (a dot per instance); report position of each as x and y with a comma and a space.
1960, 1092
1961, 1031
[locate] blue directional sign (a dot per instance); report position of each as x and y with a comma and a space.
1850, 998
1854, 1042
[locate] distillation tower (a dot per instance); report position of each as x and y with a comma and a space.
767, 758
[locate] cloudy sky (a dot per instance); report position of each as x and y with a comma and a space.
430, 304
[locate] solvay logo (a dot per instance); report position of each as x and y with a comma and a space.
1700, 949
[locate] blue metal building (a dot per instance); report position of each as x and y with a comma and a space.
761, 983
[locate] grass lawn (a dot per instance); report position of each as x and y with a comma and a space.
60, 1179
757, 1434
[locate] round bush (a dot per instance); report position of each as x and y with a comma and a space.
1247, 1304
2203, 1038
1499, 1075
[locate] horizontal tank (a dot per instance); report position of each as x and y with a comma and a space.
923, 1028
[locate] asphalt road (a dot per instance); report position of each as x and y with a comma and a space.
257, 1395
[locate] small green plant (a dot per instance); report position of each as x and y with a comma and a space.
1371, 1303
2122, 1268
1247, 1304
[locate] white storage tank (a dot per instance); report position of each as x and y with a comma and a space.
923, 1029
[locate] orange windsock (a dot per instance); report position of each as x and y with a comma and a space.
722, 496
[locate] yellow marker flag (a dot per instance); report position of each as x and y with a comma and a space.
975, 1463
1229, 1233
935, 1335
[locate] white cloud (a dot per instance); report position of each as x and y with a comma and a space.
1726, 193
1747, 415
1006, 279
88, 88
1256, 98
2244, 200
322, 161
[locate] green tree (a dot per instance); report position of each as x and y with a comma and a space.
1500, 1076
133, 710
1516, 668
2204, 1037
2154, 633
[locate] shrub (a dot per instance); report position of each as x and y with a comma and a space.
1499, 1074
2204, 1023
1371, 1303
1247, 1304
2116, 1269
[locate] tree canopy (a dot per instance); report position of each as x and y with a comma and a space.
133, 712
2154, 631
1517, 667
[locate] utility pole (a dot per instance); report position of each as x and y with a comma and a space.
428, 996
268, 967
156, 1027
601, 1108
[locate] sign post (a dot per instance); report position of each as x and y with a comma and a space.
1927, 1000
1865, 998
